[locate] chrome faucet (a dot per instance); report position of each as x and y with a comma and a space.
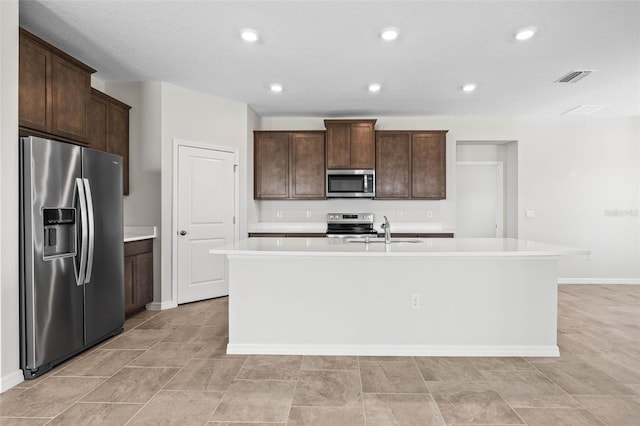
387, 231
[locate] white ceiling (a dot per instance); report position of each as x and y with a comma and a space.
325, 53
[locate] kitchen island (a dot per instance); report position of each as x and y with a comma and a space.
430, 297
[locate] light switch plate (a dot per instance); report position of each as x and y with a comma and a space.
530, 214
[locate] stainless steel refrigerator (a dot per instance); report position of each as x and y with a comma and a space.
71, 244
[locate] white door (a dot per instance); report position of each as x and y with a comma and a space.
205, 219
479, 199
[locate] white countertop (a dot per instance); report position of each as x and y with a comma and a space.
136, 233
437, 247
321, 227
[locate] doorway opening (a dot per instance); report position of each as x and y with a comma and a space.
487, 189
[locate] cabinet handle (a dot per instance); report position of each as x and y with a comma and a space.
183, 232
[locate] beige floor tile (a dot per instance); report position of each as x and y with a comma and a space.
401, 409
102, 362
580, 378
132, 384
558, 417
137, 339
244, 424
132, 323
182, 408
24, 421
448, 369
328, 388
11, 393
501, 363
376, 358
167, 354
206, 375
161, 322
49, 398
215, 348
528, 388
326, 416
198, 333
622, 368
329, 363
145, 314
83, 413
619, 411
391, 377
471, 403
271, 367
255, 401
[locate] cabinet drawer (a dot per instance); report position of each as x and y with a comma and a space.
133, 248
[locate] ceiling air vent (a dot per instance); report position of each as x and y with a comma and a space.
573, 76
585, 109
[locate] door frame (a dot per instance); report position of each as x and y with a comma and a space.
499, 188
177, 143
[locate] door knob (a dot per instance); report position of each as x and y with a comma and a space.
183, 232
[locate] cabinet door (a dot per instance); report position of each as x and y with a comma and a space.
339, 146
71, 87
362, 146
307, 165
428, 166
118, 139
129, 280
393, 165
271, 165
98, 123
34, 86
143, 279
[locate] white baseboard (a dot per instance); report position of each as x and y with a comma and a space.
161, 306
394, 350
10, 380
599, 281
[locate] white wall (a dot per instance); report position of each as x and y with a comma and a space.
570, 171
10, 373
197, 117
143, 204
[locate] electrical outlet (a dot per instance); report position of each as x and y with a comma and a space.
590, 257
415, 301
308, 214
429, 214
400, 213
279, 214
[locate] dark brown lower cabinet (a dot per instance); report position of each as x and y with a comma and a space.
138, 275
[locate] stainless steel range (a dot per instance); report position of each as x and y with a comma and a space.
350, 225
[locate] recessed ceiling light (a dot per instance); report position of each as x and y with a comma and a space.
374, 87
469, 87
525, 33
389, 34
249, 35
276, 88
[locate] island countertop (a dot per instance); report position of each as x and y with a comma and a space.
412, 247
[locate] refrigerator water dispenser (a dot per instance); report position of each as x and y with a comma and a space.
59, 232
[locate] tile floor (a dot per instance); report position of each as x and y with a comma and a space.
170, 368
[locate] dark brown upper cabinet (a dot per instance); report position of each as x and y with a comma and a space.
411, 164
109, 129
350, 144
54, 91
289, 165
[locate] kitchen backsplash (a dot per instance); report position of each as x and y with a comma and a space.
316, 211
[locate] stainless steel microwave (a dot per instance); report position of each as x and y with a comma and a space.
351, 184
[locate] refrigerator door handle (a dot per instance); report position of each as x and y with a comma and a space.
80, 271
92, 230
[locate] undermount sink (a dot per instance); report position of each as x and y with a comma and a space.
381, 240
